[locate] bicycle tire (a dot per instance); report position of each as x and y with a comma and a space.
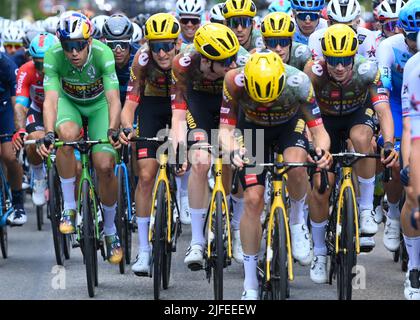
120, 216
159, 239
89, 245
347, 240
39, 217
279, 277
54, 207
218, 255
4, 243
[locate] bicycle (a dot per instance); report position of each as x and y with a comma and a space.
165, 226
275, 270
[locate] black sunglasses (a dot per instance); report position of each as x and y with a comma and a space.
194, 21
165, 46
234, 22
122, 44
274, 42
228, 61
335, 61
313, 16
78, 45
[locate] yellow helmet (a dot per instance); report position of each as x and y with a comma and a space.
339, 41
162, 26
277, 24
236, 8
215, 41
264, 76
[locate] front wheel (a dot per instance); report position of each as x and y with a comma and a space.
279, 277
218, 254
4, 242
39, 217
121, 215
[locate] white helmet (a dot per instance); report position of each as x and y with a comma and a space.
137, 33
74, 25
216, 13
389, 9
98, 23
343, 11
12, 35
418, 41
190, 7
23, 24
50, 24
38, 25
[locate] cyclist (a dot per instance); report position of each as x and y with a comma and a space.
280, 6
98, 23
239, 16
346, 12
80, 80
137, 37
8, 70
117, 33
278, 29
388, 12
342, 81
280, 109
198, 74
189, 15
393, 54
50, 24
307, 14
28, 110
149, 90
12, 39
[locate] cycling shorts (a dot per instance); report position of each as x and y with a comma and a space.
7, 123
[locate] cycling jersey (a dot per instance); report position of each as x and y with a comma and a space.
413, 85
411, 67
186, 72
124, 73
297, 96
379, 37
8, 71
256, 40
299, 55
19, 57
393, 54
301, 38
86, 85
30, 87
367, 43
337, 99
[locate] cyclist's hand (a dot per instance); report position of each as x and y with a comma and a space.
125, 135
237, 157
46, 144
182, 169
389, 156
325, 158
113, 138
18, 138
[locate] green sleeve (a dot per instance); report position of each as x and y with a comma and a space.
51, 76
109, 75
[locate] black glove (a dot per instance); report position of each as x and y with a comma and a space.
113, 133
127, 131
49, 139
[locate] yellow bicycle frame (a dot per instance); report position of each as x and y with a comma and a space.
278, 203
218, 187
161, 177
346, 182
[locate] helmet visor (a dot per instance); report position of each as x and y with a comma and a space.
234, 22
335, 61
165, 46
312, 16
78, 45
274, 42
121, 44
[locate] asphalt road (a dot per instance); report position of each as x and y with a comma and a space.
30, 273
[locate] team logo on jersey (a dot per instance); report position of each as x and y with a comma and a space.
251, 179
300, 50
143, 59
241, 60
239, 80
317, 69
259, 43
372, 52
185, 61
335, 94
91, 72
300, 126
364, 68
295, 80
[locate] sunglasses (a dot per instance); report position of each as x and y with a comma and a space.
165, 46
16, 46
390, 25
335, 61
313, 16
78, 45
274, 42
227, 62
412, 36
194, 21
121, 44
234, 22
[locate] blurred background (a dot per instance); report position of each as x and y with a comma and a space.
40, 9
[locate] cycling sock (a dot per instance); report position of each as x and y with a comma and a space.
367, 187
67, 187
306, 211
143, 225
184, 184
318, 236
413, 249
394, 210
109, 216
296, 211
238, 209
250, 266
17, 199
197, 224
38, 171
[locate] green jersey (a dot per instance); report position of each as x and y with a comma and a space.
86, 85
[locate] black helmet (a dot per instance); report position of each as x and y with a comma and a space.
140, 19
118, 27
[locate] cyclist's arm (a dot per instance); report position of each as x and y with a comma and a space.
52, 88
22, 97
380, 102
406, 141
111, 88
385, 58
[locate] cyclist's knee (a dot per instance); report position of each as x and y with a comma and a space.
253, 202
200, 169
146, 180
68, 131
105, 166
297, 176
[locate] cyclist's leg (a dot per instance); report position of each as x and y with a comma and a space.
14, 169
67, 126
361, 127
35, 130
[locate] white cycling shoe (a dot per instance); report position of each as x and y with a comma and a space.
392, 234
38, 192
194, 257
141, 266
412, 285
185, 215
301, 244
318, 271
250, 295
368, 226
